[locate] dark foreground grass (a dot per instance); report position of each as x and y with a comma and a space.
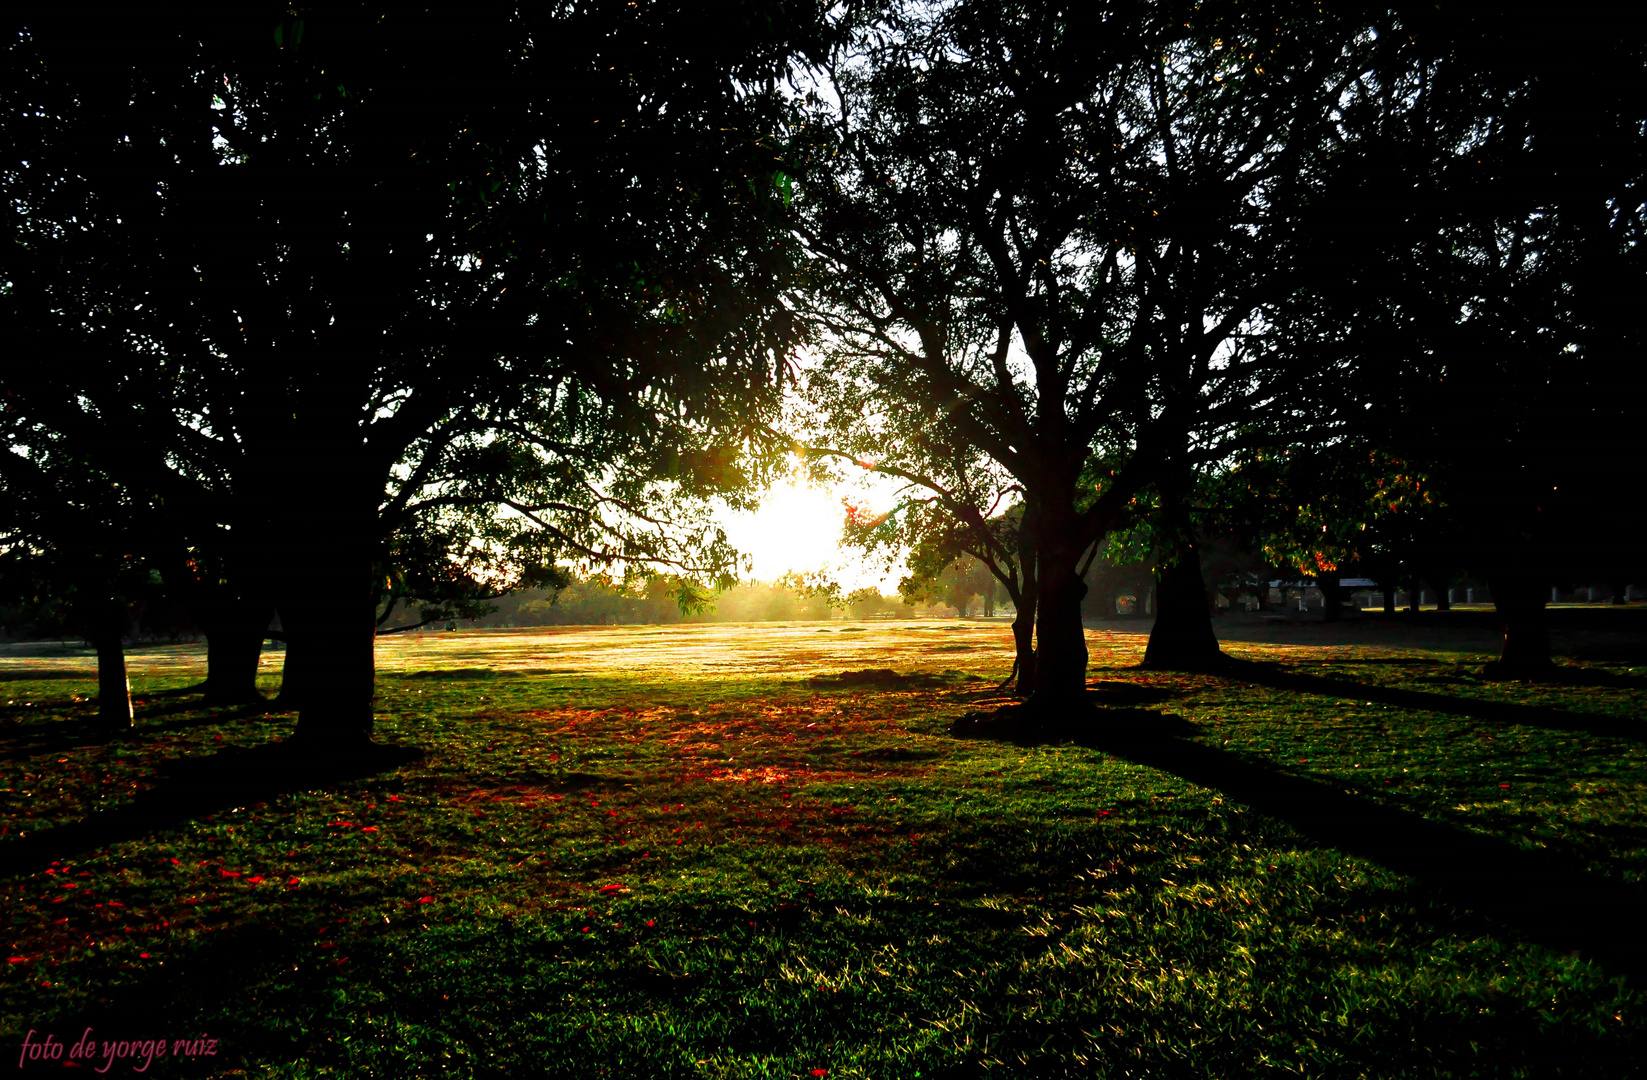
599, 875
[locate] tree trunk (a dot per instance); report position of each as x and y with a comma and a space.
1520, 602
1027, 600
327, 609
114, 690
1389, 599
1023, 640
1440, 584
1621, 594
290, 697
1182, 638
335, 710
234, 646
1061, 648
1332, 597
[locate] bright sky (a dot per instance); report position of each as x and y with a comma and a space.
798, 528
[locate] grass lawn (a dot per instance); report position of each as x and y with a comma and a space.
697, 851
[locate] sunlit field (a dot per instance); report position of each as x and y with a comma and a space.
757, 851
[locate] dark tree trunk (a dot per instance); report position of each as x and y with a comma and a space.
326, 595
1520, 601
1027, 600
335, 714
1061, 639
1440, 584
114, 690
234, 646
1332, 597
1182, 638
1389, 599
1061, 648
1621, 594
1023, 640
291, 670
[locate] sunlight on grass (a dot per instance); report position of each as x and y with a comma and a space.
643, 851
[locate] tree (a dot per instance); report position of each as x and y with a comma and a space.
68, 561
1498, 298
1322, 512
954, 509
1059, 239
306, 279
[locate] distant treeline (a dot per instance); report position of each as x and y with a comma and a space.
595, 602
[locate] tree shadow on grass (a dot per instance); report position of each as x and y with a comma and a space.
55, 736
1496, 712
1541, 897
197, 786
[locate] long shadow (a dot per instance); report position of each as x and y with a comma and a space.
1544, 898
1497, 712
1566, 675
194, 787
55, 736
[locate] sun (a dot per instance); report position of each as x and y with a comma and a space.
798, 528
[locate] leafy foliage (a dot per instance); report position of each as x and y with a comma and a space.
425, 304
1056, 254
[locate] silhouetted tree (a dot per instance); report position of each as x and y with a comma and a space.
305, 279
70, 562
1060, 239
1495, 354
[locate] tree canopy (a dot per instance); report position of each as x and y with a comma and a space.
309, 283
1055, 247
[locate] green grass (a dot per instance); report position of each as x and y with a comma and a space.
698, 861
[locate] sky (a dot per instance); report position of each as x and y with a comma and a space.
798, 528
